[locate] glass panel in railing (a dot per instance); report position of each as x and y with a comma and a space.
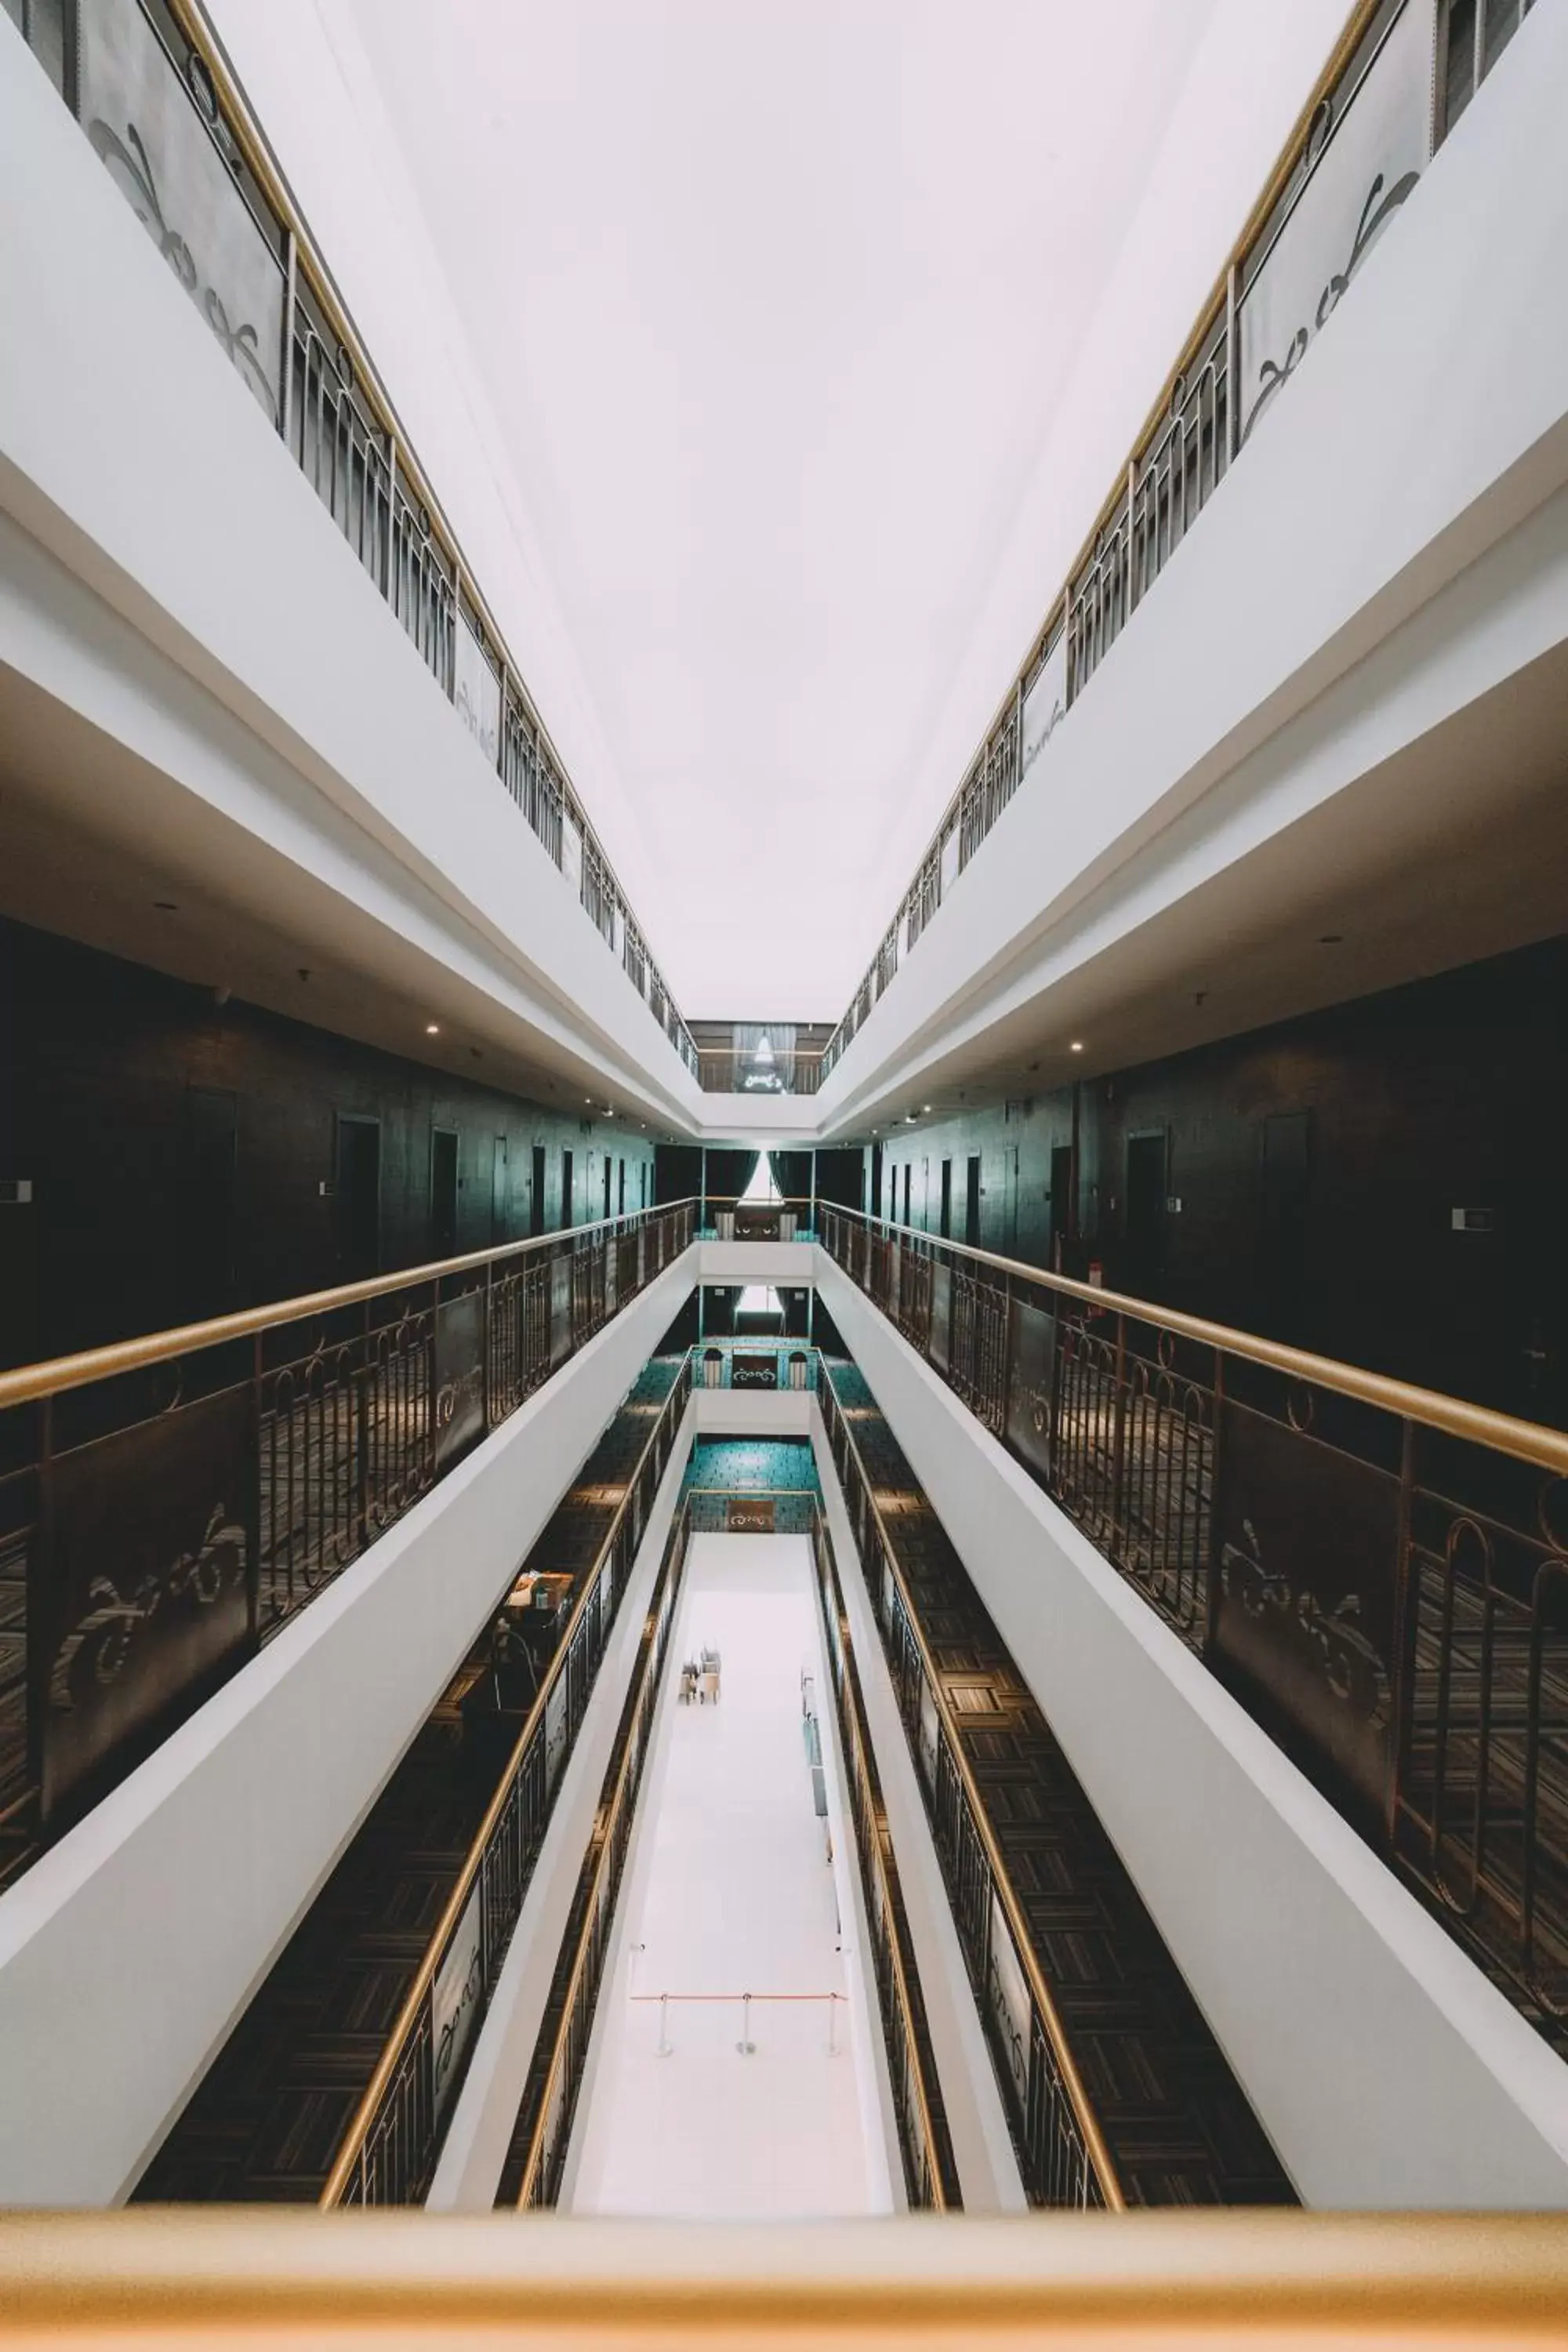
158, 137
477, 693
1045, 706
1372, 152
456, 1999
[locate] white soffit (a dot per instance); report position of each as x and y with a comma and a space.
771, 358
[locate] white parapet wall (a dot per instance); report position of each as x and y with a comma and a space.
1386, 2067
475, 2149
131, 1949
983, 2150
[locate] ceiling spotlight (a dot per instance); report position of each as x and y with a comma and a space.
925, 1105
1075, 1047
432, 1029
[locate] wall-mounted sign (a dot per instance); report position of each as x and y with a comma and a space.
754, 1371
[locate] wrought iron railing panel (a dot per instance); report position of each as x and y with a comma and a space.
388, 2155
1061, 2150
155, 96
1379, 1574
169, 1504
1398, 81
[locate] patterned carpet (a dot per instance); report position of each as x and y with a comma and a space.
1177, 2122
743, 1462
266, 2121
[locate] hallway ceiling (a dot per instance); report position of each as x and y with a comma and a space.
771, 358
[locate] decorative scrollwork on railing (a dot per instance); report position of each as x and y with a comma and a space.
98, 1646
1350, 1663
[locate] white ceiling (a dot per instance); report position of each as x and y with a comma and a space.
772, 357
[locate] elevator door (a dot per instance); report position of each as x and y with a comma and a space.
501, 1190
1145, 1265
358, 1204
443, 1192
1061, 1203
209, 1147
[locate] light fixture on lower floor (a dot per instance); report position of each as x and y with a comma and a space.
432, 1029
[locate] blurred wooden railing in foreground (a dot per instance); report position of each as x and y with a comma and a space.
1256, 2280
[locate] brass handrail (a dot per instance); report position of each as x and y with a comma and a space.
31, 1381
1524, 1440
1312, 2281
878, 1862
446, 1925
608, 1819
633, 1753
1095, 2145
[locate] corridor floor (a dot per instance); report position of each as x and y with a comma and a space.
730, 1890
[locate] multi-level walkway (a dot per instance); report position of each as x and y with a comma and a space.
268, 2120
731, 1891
1176, 2121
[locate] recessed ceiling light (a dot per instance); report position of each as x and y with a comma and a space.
1076, 1046
432, 1029
925, 1105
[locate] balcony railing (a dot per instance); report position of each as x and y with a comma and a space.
388, 2155
168, 1504
1063, 2155
150, 85
730, 1217
1380, 1574
1398, 80
734, 1070
550, 2095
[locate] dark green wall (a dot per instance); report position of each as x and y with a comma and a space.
1317, 1165
106, 1073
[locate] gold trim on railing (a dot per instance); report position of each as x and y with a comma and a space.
63, 1373
1095, 2148
446, 1925
1209, 314
867, 1756
206, 42
1309, 2281
1524, 1440
664, 1594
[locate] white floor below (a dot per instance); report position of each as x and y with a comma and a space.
730, 1890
